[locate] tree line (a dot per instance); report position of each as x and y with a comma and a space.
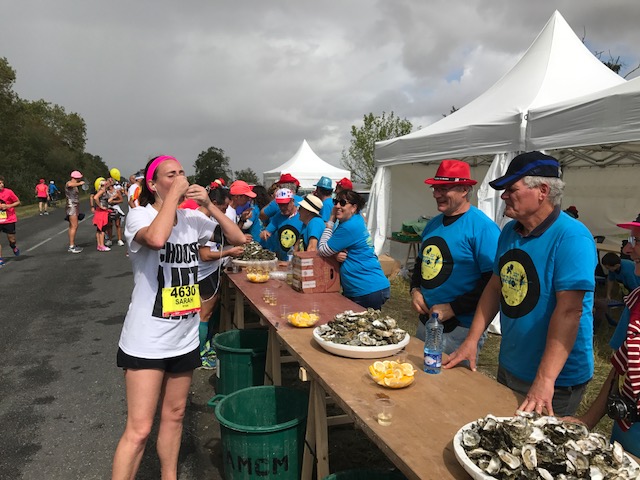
39, 139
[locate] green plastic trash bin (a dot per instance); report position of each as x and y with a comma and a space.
262, 432
241, 359
364, 474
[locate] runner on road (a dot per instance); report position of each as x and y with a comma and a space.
8, 202
73, 200
42, 192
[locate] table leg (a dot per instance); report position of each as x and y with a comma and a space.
238, 310
225, 305
316, 438
273, 370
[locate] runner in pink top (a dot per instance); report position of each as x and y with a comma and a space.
8, 203
42, 192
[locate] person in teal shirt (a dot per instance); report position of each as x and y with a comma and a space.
361, 275
312, 224
285, 226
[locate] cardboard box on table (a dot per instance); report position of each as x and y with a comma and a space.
315, 274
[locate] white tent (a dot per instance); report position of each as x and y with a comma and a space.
491, 128
307, 167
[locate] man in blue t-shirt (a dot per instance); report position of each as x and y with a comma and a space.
287, 181
620, 270
543, 285
285, 225
324, 190
456, 256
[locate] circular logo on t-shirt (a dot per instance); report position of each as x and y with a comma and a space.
288, 235
437, 262
520, 283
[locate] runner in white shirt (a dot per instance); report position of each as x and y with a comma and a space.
159, 345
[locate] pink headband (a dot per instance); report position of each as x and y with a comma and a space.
154, 165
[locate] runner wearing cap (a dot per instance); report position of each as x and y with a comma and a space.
42, 193
73, 201
313, 224
456, 256
134, 190
285, 226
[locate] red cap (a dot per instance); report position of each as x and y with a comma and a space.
288, 178
345, 184
240, 187
42, 180
630, 225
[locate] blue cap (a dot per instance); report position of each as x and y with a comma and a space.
325, 182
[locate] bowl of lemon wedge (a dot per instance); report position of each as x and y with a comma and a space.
392, 374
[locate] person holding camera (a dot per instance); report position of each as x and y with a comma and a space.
619, 396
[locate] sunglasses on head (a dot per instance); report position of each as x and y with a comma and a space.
342, 202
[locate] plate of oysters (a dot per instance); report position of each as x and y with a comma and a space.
367, 334
538, 447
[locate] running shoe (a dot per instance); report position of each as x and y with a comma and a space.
209, 363
74, 249
121, 243
16, 251
1, 262
108, 243
103, 249
46, 213
40, 213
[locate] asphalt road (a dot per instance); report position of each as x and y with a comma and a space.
62, 399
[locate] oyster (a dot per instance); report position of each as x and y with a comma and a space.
369, 328
538, 447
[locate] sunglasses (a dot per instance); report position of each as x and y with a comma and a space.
633, 241
342, 202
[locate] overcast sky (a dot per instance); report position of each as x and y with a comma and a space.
255, 78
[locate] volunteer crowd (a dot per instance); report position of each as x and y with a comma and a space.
537, 274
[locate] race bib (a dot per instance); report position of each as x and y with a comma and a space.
3, 215
177, 301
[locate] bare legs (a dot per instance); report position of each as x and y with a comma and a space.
73, 227
146, 389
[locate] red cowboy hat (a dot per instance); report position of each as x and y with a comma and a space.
452, 172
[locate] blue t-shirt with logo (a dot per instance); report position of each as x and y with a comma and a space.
313, 229
453, 257
256, 227
361, 273
327, 207
626, 275
285, 232
532, 270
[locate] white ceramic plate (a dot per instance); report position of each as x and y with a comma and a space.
352, 351
471, 468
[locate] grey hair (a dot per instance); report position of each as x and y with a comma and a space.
556, 187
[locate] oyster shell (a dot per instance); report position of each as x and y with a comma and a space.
369, 328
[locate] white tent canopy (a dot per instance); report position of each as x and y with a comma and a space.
307, 167
556, 67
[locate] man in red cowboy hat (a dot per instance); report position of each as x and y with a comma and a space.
456, 256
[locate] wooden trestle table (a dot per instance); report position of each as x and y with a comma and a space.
427, 415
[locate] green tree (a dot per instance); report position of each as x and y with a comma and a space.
248, 175
359, 159
211, 164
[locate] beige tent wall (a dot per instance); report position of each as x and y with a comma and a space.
603, 196
411, 198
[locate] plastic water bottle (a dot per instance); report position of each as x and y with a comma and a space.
290, 266
433, 345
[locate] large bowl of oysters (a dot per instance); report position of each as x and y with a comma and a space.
538, 447
367, 334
